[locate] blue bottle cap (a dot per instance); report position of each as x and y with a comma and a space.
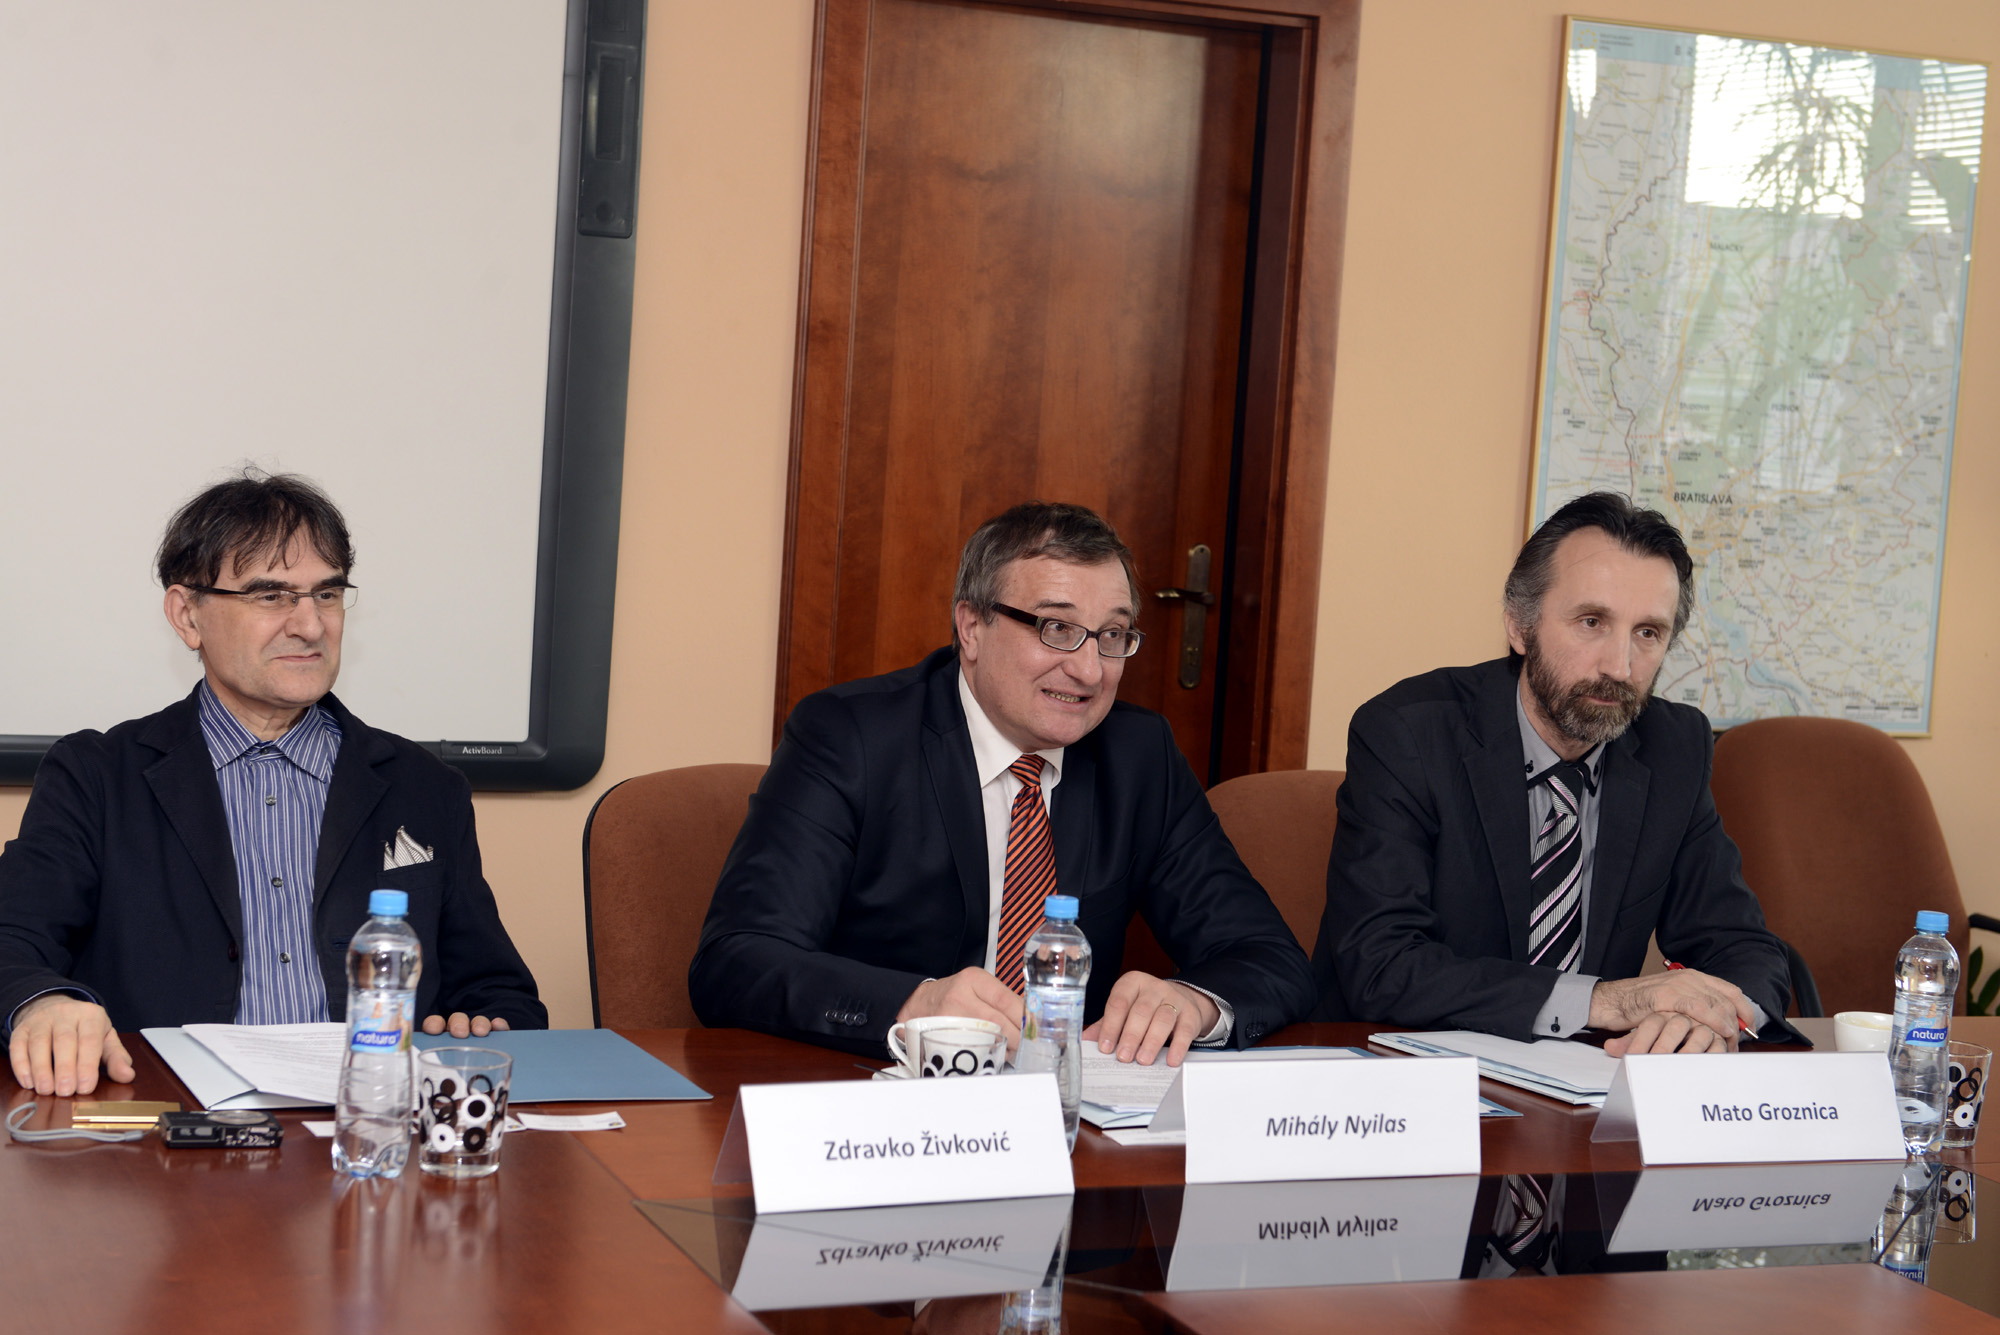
388, 903
1930, 920
1060, 907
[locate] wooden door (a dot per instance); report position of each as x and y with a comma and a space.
1031, 255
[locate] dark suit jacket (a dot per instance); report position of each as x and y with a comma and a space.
861, 870
1427, 894
123, 880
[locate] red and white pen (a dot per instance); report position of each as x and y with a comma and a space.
1745, 1029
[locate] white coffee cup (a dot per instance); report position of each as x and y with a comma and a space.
1861, 1031
904, 1035
950, 1052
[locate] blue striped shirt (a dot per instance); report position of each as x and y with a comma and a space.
274, 795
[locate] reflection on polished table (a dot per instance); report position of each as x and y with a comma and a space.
97, 1237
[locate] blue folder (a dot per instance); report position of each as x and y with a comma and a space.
577, 1066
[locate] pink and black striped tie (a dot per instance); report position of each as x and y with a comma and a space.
1031, 871
1555, 923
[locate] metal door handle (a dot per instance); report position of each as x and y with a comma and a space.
1195, 600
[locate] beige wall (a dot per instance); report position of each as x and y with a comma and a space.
1440, 322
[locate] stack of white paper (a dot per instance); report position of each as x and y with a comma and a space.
1572, 1072
1119, 1093
255, 1066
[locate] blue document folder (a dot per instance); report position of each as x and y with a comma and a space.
578, 1066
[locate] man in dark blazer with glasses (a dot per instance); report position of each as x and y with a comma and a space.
209, 863
901, 843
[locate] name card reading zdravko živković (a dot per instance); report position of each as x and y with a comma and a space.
1754, 1107
1293, 1117
839, 1144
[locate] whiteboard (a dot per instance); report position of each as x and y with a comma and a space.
314, 238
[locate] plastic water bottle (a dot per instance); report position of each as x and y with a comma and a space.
1055, 965
1926, 982
371, 1136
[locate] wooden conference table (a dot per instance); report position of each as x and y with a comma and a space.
139, 1237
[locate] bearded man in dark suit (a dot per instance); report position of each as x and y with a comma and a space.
1511, 834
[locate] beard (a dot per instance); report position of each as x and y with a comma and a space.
1570, 708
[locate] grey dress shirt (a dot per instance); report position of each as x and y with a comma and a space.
1568, 1007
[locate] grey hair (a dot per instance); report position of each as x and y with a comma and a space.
1061, 532
1639, 531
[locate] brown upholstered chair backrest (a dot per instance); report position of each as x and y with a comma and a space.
1841, 846
1282, 826
652, 851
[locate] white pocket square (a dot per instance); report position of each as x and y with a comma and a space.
403, 851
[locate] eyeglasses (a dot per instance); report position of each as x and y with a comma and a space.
1067, 636
280, 602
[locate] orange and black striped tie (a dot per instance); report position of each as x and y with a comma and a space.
1031, 871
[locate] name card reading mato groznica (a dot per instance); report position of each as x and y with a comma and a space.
1753, 1107
1295, 1116
839, 1144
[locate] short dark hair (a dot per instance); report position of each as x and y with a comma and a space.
1639, 531
253, 515
1035, 528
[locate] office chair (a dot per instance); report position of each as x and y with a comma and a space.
1842, 847
1282, 825
652, 851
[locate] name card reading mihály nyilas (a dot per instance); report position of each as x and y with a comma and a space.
1754, 1107
1292, 1118
840, 1144
1284, 1234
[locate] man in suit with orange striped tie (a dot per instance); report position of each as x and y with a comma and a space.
897, 854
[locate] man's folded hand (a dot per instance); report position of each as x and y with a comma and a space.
1683, 1010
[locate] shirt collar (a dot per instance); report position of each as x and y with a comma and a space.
1540, 755
311, 743
992, 753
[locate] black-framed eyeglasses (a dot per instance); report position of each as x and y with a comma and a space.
326, 599
1067, 636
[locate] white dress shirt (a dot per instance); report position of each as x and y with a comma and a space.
992, 758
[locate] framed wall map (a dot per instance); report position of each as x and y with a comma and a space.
1757, 274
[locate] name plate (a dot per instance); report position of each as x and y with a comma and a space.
1284, 1235
1756, 1205
1753, 1107
899, 1253
839, 1144
1293, 1119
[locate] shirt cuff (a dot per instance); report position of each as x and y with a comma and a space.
1568, 1007
1757, 1017
77, 992
1225, 1021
